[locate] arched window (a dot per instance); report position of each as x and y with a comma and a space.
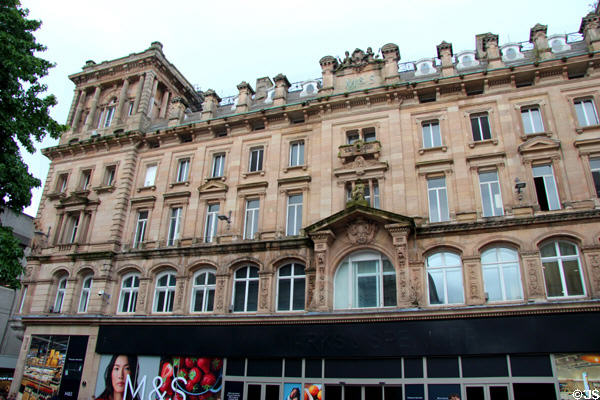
245, 289
61, 289
129, 293
365, 279
164, 292
445, 278
84, 299
562, 269
291, 281
501, 274
203, 291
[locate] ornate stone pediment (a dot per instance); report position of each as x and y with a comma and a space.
539, 145
360, 166
80, 198
361, 231
213, 186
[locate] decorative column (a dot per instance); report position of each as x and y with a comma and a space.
79, 110
391, 56
328, 66
244, 97
534, 275
590, 28
591, 260
282, 86
104, 280
474, 293
265, 283
122, 101
444, 51
319, 286
537, 36
400, 234
152, 99
417, 289
76, 94
138, 94
210, 105
90, 118
221, 307
142, 307
179, 291
164, 104
147, 91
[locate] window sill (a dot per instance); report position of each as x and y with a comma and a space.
295, 167
57, 195
102, 189
581, 129
146, 188
424, 150
483, 142
254, 173
528, 136
184, 183
81, 192
216, 178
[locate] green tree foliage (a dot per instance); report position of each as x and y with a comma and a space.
24, 119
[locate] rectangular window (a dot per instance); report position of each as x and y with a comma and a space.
586, 112
140, 228
256, 159
432, 136
110, 112
595, 168
70, 233
438, 200
86, 176
130, 109
491, 199
251, 220
296, 153
174, 226
210, 231
183, 168
532, 120
365, 134
218, 165
294, 215
109, 175
150, 175
61, 183
480, 127
545, 188
352, 136
368, 134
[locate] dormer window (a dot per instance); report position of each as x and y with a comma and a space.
511, 52
424, 67
466, 60
558, 43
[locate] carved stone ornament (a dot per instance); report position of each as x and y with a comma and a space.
361, 231
358, 60
534, 283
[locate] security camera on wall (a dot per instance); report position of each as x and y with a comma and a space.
101, 292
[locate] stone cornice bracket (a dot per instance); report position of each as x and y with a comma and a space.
537, 36
322, 239
590, 29
244, 97
399, 232
391, 56
444, 52
211, 102
328, 65
282, 86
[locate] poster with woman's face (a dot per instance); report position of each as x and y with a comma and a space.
292, 391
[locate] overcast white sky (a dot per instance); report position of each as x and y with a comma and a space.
218, 44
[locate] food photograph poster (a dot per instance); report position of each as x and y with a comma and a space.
159, 377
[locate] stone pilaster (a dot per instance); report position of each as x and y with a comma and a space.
178, 306
142, 307
122, 192
147, 91
164, 104
417, 289
93, 106
265, 284
474, 293
591, 261
122, 101
221, 305
534, 275
391, 56
138, 94
152, 99
244, 97
537, 36
210, 105
328, 66
79, 111
590, 29
444, 51
76, 94
282, 86
320, 285
399, 233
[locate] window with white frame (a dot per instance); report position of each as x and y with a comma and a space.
432, 136
140, 228
71, 228
256, 159
545, 188
86, 176
364, 279
480, 126
532, 120
595, 169
562, 269
183, 169
501, 274
129, 293
438, 200
491, 199
296, 153
84, 298
164, 292
245, 289
106, 116
218, 165
109, 175
445, 278
364, 134
251, 218
212, 219
586, 112
174, 226
61, 290
150, 176
294, 215
203, 291
291, 282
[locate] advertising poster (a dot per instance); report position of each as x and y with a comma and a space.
292, 391
313, 392
44, 366
165, 378
578, 375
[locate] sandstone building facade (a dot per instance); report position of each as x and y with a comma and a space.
388, 230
